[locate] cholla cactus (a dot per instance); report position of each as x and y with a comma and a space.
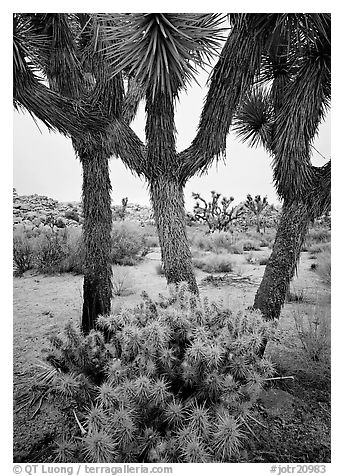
169, 381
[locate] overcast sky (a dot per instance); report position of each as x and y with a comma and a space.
45, 163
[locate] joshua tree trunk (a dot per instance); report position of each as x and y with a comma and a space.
169, 212
97, 237
282, 263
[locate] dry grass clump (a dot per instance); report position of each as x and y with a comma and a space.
234, 242
319, 248
316, 235
250, 245
127, 243
323, 267
218, 242
263, 261
122, 281
313, 325
214, 263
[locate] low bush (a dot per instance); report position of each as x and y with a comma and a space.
51, 250
250, 245
198, 239
295, 296
319, 248
214, 263
127, 243
314, 330
267, 241
263, 261
217, 242
172, 381
122, 281
74, 259
250, 258
23, 253
315, 236
72, 215
160, 269
323, 267
150, 236
221, 241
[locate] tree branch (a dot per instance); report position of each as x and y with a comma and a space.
232, 77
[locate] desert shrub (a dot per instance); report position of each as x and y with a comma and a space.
250, 245
263, 261
267, 240
160, 269
127, 243
214, 263
217, 242
316, 235
221, 241
72, 215
198, 239
168, 381
122, 281
319, 248
323, 267
151, 241
150, 236
23, 252
295, 296
314, 330
51, 250
73, 261
236, 249
250, 258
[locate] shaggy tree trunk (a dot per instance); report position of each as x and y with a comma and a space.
280, 269
97, 238
169, 212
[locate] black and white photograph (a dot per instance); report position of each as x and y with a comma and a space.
171, 241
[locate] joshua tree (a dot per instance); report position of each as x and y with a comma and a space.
159, 53
120, 211
285, 120
83, 103
217, 216
257, 207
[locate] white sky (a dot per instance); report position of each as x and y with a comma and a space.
45, 163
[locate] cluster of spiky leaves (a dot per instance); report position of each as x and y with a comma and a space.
284, 112
166, 381
256, 205
161, 50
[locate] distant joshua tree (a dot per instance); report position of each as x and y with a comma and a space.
215, 213
257, 206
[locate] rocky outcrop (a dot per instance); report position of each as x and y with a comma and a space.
41, 211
